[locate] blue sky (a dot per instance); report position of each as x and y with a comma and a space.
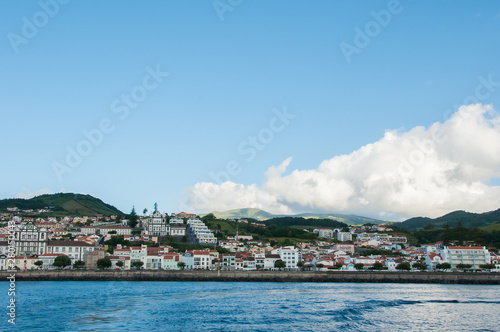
232, 66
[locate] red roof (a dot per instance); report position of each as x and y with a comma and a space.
463, 247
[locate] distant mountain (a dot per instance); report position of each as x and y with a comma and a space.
467, 219
63, 204
263, 215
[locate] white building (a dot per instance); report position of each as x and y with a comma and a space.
120, 230
75, 250
156, 224
291, 256
344, 236
178, 230
31, 240
473, 256
324, 232
199, 233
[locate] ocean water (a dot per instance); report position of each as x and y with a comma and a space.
242, 306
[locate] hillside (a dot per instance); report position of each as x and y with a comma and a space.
467, 219
63, 204
261, 215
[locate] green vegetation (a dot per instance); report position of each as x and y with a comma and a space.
293, 221
137, 264
181, 265
491, 228
459, 235
452, 219
443, 266
62, 261
463, 267
132, 218
39, 264
279, 264
63, 204
104, 263
282, 234
405, 266
260, 215
359, 266
119, 264
78, 264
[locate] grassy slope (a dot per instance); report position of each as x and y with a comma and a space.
72, 204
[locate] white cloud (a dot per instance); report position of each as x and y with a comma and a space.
423, 171
27, 194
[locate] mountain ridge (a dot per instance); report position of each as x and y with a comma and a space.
261, 215
468, 219
63, 204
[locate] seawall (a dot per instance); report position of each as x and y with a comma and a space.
259, 276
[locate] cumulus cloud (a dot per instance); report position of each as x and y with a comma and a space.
420, 172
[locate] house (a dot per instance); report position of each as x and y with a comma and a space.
324, 232
26, 263
270, 260
346, 247
228, 262
171, 261
91, 258
31, 240
177, 230
88, 230
290, 255
48, 261
156, 224
118, 230
75, 250
344, 236
432, 259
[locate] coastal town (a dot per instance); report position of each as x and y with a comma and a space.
184, 241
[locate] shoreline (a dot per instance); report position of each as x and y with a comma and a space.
259, 276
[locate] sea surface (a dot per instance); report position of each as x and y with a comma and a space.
244, 306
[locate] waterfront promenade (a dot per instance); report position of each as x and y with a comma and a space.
259, 276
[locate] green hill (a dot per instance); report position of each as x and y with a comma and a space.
261, 215
467, 219
63, 204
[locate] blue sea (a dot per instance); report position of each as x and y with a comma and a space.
242, 306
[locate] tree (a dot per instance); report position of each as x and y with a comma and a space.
104, 263
319, 266
144, 211
422, 266
405, 266
279, 264
463, 266
443, 266
132, 218
208, 217
483, 266
300, 265
338, 266
378, 266
359, 266
62, 261
181, 265
78, 264
184, 239
39, 264
119, 264
137, 264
